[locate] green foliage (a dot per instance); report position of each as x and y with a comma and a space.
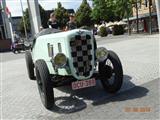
27, 22
111, 10
61, 15
44, 19
83, 14
103, 10
123, 8
118, 30
103, 31
99, 8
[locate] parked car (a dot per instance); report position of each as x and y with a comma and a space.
70, 58
19, 46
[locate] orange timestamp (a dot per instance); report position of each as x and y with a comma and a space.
137, 109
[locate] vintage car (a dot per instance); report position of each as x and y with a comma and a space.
71, 58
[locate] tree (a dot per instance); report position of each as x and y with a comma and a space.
44, 19
111, 10
83, 14
124, 10
61, 15
27, 22
103, 10
99, 8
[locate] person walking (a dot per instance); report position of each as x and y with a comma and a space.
52, 22
71, 24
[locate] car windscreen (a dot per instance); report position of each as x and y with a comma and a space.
46, 31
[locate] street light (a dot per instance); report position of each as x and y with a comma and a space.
126, 5
24, 22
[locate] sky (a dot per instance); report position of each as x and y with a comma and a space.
15, 6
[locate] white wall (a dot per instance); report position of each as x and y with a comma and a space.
158, 11
6, 21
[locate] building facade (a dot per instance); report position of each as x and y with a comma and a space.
5, 20
5, 28
144, 17
16, 20
143, 7
2, 32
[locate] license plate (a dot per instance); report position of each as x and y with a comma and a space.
83, 84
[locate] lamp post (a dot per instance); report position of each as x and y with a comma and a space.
136, 5
127, 11
11, 27
24, 22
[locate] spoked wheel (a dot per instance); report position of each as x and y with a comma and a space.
44, 84
111, 73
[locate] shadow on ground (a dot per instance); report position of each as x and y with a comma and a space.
77, 100
133, 93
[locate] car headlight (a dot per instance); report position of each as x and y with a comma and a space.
60, 60
101, 54
27, 44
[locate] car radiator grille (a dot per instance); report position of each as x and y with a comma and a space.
82, 56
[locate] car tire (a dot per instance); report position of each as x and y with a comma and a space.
30, 65
44, 83
106, 72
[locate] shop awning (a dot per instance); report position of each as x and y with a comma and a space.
140, 16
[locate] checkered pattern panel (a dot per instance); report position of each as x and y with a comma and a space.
82, 57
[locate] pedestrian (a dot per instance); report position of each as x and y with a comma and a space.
71, 24
52, 22
16, 37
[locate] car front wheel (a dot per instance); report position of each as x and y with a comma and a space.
44, 84
111, 73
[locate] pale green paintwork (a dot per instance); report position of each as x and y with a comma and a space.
40, 51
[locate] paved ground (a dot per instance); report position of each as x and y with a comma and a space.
140, 102
139, 56
9, 56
